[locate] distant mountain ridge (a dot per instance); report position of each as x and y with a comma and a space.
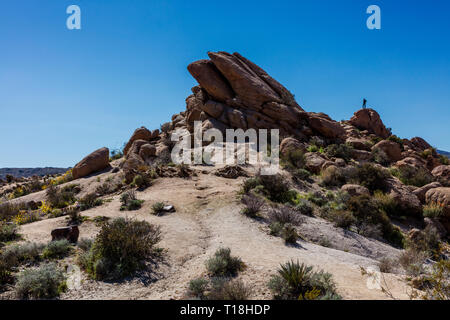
29, 172
444, 153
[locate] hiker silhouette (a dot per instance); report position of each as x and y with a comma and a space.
364, 103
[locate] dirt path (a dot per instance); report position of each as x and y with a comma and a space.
207, 218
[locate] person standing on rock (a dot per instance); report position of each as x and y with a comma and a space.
364, 103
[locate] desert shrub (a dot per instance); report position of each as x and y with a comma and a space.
289, 234
388, 204
343, 151
285, 215
45, 282
433, 210
317, 198
301, 174
61, 197
412, 261
253, 205
6, 275
343, 219
293, 159
250, 184
427, 240
367, 212
121, 248
380, 157
304, 207
333, 176
24, 217
369, 230
296, 281
197, 287
89, 201
276, 228
85, 244
142, 180
9, 178
16, 255
223, 264
9, 210
56, 249
157, 208
276, 188
437, 282
412, 176
8, 231
372, 177
129, 201
225, 289
386, 265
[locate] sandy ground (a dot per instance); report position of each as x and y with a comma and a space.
207, 217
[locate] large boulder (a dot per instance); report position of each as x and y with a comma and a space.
358, 143
327, 128
291, 144
441, 197
420, 192
96, 161
420, 144
141, 133
442, 173
413, 162
390, 148
408, 202
207, 75
369, 119
314, 162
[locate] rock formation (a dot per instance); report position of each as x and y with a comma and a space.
96, 161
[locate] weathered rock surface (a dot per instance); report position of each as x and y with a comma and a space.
406, 199
96, 161
442, 173
420, 192
369, 119
392, 149
291, 144
355, 189
420, 143
141, 133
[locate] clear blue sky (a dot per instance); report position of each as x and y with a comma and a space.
66, 93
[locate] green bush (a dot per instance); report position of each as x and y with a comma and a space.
61, 197
197, 287
388, 204
343, 219
343, 151
16, 255
121, 248
45, 282
85, 244
274, 187
157, 208
433, 210
223, 264
289, 234
8, 232
367, 211
372, 177
57, 249
444, 160
293, 159
412, 176
304, 207
301, 174
89, 201
9, 210
296, 281
6, 275
276, 228
129, 201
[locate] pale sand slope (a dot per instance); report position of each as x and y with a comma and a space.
207, 219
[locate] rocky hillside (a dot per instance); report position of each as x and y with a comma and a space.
29, 172
368, 208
